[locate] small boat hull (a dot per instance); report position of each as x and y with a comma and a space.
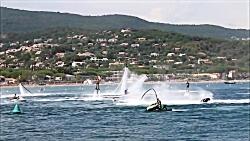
156, 108
227, 82
21, 99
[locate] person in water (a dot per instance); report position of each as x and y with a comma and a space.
98, 80
187, 88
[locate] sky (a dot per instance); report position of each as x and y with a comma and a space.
226, 13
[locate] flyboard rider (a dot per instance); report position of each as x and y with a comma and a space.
98, 80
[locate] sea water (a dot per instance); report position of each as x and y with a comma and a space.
72, 113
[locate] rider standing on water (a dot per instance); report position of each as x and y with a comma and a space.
98, 80
187, 89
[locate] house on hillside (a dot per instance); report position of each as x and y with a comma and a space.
39, 65
210, 75
125, 30
13, 44
1, 45
103, 44
178, 63
170, 61
38, 52
101, 40
171, 54
122, 54
154, 54
96, 59
90, 44
58, 78
201, 54
112, 40
204, 61
10, 80
39, 40
86, 54
135, 45
166, 67
156, 45
124, 44
141, 39
77, 64
152, 61
60, 64
182, 54
177, 49
104, 52
191, 65
191, 57
60, 55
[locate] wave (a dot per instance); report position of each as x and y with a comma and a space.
184, 102
43, 94
26, 95
86, 98
247, 93
180, 110
231, 101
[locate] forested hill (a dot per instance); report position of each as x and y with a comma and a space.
13, 20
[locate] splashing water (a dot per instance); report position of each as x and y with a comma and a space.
23, 90
122, 86
168, 94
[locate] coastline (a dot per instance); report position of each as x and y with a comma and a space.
115, 83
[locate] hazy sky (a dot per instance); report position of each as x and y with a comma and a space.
227, 13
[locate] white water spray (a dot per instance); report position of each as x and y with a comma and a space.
174, 95
23, 90
123, 86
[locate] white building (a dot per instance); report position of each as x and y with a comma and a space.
77, 64
154, 54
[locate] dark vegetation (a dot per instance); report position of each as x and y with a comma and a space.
13, 20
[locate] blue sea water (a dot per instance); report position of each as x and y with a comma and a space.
60, 113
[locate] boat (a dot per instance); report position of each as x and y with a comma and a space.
20, 99
229, 82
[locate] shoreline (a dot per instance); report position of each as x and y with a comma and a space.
115, 83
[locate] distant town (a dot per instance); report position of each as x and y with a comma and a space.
75, 56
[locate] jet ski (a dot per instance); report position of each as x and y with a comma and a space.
156, 107
205, 100
17, 99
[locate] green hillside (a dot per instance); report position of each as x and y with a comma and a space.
13, 20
